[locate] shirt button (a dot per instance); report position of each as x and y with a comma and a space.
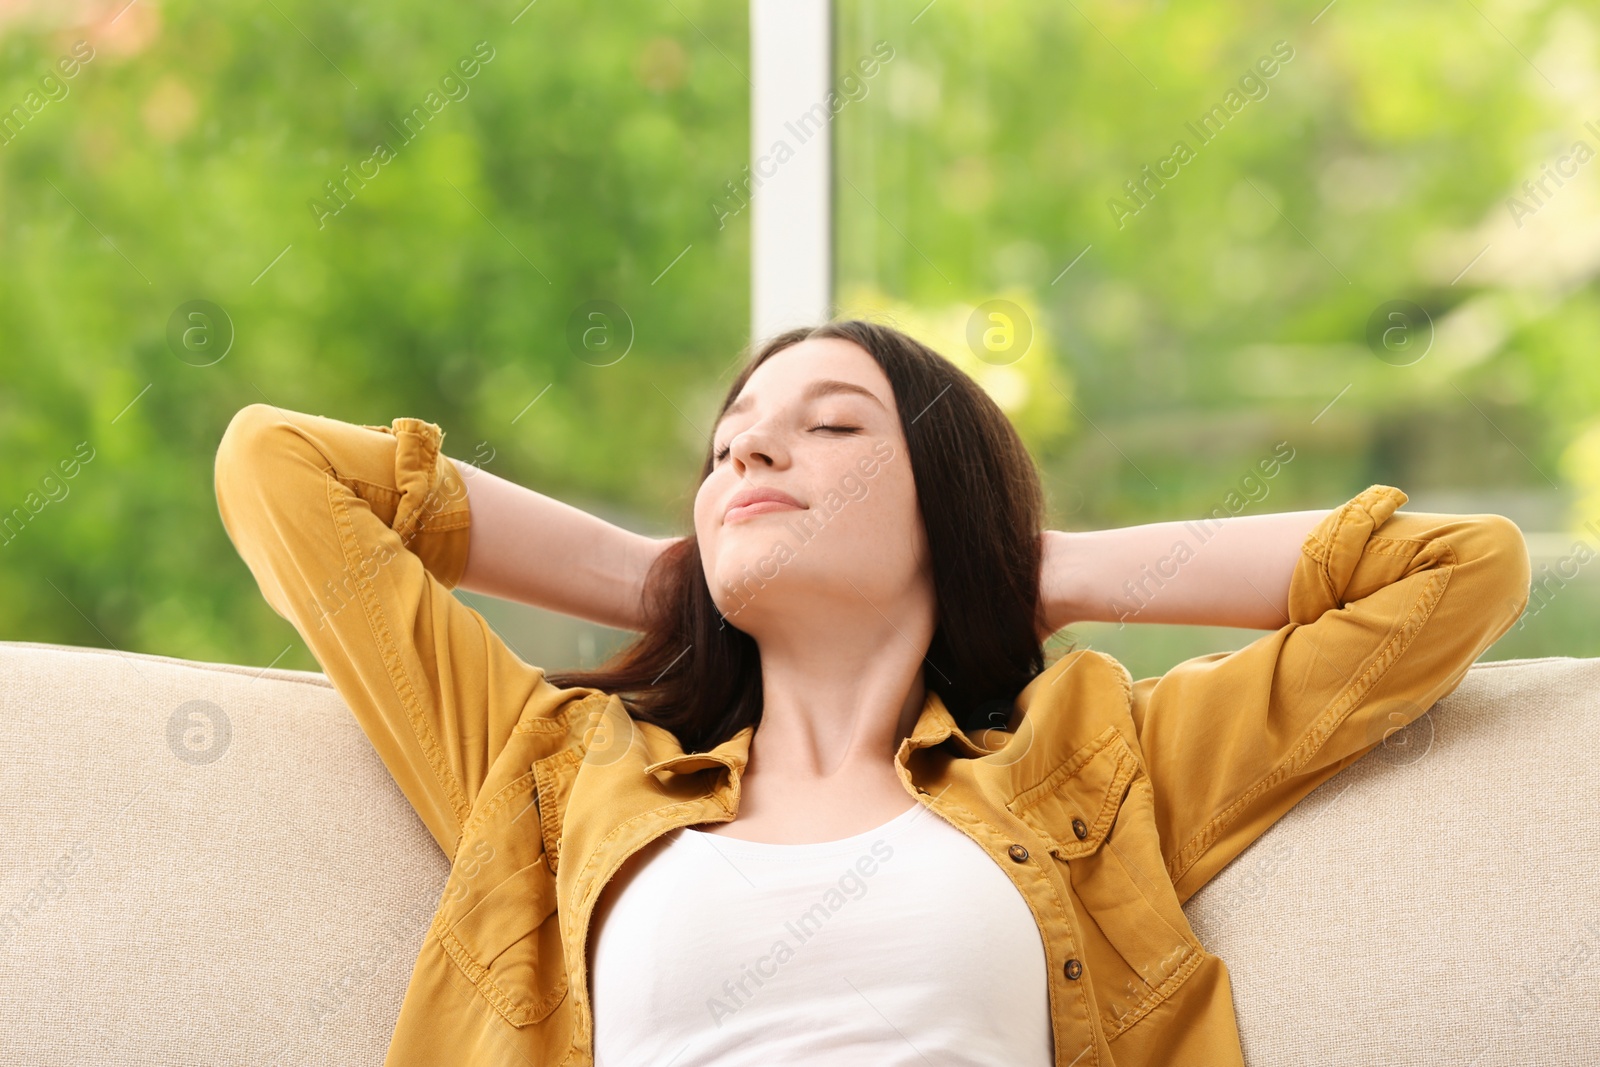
1080, 829
1018, 853
1074, 969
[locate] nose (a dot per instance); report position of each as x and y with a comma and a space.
751, 447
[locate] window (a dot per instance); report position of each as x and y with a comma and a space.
1365, 233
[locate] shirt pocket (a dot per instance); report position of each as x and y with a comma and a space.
498, 917
1097, 812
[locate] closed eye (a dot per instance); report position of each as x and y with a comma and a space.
722, 453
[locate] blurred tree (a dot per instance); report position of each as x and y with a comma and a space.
1208, 217
1243, 224
402, 210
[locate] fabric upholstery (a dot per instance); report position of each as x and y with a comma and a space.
176, 887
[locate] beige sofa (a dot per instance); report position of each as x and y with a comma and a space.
208, 864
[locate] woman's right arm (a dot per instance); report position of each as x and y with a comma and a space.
356, 535
577, 564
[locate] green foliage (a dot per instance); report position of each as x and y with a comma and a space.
182, 164
1362, 155
1224, 308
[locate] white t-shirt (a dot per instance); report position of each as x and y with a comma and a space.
903, 945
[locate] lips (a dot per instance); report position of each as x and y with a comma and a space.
748, 502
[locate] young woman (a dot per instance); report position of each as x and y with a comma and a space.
831, 805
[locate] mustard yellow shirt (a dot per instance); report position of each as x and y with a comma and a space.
1108, 804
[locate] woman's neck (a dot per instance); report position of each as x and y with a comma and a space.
821, 764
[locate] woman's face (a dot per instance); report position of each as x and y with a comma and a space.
816, 422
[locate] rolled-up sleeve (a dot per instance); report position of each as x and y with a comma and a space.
356, 535
1387, 611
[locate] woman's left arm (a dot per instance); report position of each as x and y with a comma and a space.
1231, 571
1387, 611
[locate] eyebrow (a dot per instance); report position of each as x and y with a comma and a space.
820, 387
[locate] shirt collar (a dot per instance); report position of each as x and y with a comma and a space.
935, 726
667, 759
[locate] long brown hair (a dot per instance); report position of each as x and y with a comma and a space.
692, 673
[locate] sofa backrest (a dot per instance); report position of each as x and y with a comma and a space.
201, 863
1437, 901
204, 862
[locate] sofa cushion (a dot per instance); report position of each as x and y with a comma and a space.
199, 863
1437, 901
204, 862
